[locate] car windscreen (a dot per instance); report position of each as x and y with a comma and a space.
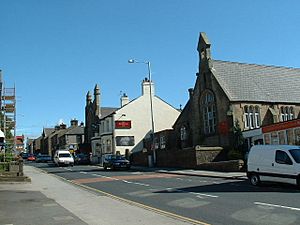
64, 155
117, 157
295, 154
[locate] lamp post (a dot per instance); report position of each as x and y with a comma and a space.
151, 105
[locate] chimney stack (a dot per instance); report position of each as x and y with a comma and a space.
124, 100
146, 87
74, 123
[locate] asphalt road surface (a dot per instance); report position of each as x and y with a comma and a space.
206, 200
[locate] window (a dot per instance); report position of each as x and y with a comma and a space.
295, 154
283, 158
183, 134
256, 117
251, 117
209, 113
78, 139
162, 142
286, 113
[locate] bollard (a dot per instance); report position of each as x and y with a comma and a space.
21, 162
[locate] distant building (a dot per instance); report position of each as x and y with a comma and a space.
93, 113
61, 137
72, 137
37, 143
123, 131
20, 144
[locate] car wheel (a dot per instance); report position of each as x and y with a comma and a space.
254, 179
105, 167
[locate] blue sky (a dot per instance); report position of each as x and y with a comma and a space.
55, 51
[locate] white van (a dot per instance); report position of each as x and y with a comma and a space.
63, 157
276, 163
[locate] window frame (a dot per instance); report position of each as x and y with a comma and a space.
286, 161
209, 117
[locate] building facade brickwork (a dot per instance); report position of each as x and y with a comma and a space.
229, 95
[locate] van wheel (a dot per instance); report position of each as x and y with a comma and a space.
254, 179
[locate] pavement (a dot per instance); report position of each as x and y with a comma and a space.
50, 200
201, 173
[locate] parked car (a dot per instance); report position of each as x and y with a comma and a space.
82, 158
276, 163
115, 162
43, 158
31, 157
24, 155
63, 157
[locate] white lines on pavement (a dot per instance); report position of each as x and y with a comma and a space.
68, 169
83, 172
136, 173
97, 175
205, 195
129, 182
278, 206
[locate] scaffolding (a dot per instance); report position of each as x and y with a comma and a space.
8, 111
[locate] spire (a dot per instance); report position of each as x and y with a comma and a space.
97, 90
204, 52
88, 98
97, 100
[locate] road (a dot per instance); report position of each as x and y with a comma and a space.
204, 200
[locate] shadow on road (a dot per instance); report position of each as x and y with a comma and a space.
236, 186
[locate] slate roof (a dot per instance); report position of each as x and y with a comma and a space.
251, 82
75, 130
48, 131
105, 111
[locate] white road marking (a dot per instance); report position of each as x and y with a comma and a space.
206, 195
146, 185
97, 175
83, 172
136, 183
68, 169
127, 182
278, 206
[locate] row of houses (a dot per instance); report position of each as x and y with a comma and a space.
58, 137
231, 107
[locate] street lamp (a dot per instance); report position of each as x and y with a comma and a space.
151, 105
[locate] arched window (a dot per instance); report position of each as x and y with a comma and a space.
209, 113
183, 133
257, 117
291, 113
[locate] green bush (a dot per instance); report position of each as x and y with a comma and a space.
3, 166
8, 157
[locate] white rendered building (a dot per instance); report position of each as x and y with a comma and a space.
122, 132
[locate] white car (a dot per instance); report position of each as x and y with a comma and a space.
63, 157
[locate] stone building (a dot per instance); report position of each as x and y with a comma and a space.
229, 97
93, 114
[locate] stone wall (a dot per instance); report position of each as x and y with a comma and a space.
180, 158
